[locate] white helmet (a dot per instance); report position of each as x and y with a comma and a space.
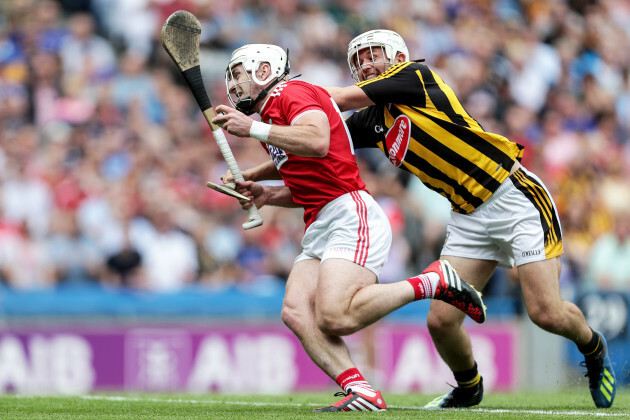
251, 56
389, 41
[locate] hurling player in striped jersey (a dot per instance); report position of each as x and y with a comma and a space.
502, 214
332, 289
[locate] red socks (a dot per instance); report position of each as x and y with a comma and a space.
353, 379
423, 286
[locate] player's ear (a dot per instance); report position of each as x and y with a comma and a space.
264, 71
400, 58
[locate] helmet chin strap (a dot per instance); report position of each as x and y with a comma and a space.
247, 104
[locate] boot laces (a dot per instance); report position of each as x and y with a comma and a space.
593, 369
342, 394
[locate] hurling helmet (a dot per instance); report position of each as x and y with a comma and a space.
251, 56
390, 41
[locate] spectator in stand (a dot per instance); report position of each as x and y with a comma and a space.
124, 268
26, 198
134, 84
608, 265
169, 255
88, 58
25, 261
536, 67
50, 26
76, 258
45, 88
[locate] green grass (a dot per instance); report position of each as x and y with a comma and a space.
566, 405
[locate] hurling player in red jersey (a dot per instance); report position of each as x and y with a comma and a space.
332, 289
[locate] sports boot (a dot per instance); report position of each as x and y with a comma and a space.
458, 398
353, 401
454, 291
601, 376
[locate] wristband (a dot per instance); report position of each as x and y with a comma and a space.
260, 131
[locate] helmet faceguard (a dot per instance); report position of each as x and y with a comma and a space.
251, 56
389, 41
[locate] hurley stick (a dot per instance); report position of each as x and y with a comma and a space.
180, 39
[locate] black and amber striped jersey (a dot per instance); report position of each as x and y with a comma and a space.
421, 126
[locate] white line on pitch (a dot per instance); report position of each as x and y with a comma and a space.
505, 411
179, 400
482, 410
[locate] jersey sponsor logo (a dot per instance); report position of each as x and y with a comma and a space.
278, 155
397, 139
378, 129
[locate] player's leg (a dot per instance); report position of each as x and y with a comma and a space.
322, 238
338, 278
298, 313
537, 246
342, 283
349, 299
547, 309
329, 352
445, 324
473, 251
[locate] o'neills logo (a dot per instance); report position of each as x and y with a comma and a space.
356, 375
397, 139
531, 253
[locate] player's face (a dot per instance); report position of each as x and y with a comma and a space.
239, 83
372, 63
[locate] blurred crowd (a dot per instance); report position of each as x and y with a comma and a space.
104, 155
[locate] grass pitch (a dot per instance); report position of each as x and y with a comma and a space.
565, 405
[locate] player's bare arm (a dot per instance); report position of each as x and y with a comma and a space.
309, 136
349, 97
279, 196
266, 171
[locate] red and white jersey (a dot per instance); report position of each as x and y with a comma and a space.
314, 182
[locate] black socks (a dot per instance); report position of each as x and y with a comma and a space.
592, 348
467, 378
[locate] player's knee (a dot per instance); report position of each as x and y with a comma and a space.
336, 324
546, 319
294, 318
442, 323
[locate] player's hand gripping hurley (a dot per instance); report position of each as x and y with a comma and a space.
180, 39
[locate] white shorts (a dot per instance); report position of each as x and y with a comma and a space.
518, 224
352, 227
